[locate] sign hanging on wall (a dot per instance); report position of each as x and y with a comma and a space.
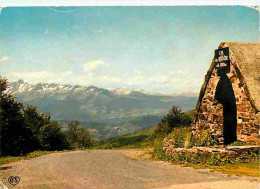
222, 61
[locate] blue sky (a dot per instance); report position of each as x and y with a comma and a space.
159, 49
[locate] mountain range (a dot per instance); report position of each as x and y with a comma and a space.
90, 103
114, 110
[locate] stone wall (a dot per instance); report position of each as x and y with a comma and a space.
235, 151
209, 115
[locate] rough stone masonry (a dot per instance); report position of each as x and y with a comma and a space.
244, 77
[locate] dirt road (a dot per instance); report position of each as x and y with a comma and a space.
97, 169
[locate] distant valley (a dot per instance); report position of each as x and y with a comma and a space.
102, 131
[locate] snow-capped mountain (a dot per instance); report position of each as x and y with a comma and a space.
24, 87
21, 86
90, 103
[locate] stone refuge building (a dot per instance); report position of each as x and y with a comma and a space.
228, 104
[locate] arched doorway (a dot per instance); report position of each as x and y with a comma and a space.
225, 95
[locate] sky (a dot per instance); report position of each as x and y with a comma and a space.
158, 49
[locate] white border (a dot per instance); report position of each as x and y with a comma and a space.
22, 3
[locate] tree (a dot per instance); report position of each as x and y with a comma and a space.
84, 138
52, 138
23, 130
78, 137
34, 120
15, 138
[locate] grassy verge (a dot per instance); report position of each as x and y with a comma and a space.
239, 169
250, 168
247, 164
10, 159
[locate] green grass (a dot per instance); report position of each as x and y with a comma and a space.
10, 159
250, 168
239, 169
190, 113
242, 143
140, 139
181, 136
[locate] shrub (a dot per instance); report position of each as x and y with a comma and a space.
180, 136
158, 152
162, 130
174, 119
242, 143
207, 158
205, 139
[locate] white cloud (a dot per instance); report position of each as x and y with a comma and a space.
98, 31
137, 72
175, 81
170, 82
4, 58
66, 77
41, 76
158, 78
102, 81
67, 73
91, 66
136, 80
1, 8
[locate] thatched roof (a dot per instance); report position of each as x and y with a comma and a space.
247, 57
247, 61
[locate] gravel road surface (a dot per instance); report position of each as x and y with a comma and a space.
97, 169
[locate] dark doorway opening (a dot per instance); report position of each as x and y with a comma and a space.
225, 95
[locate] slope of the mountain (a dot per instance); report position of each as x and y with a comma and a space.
90, 103
103, 131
